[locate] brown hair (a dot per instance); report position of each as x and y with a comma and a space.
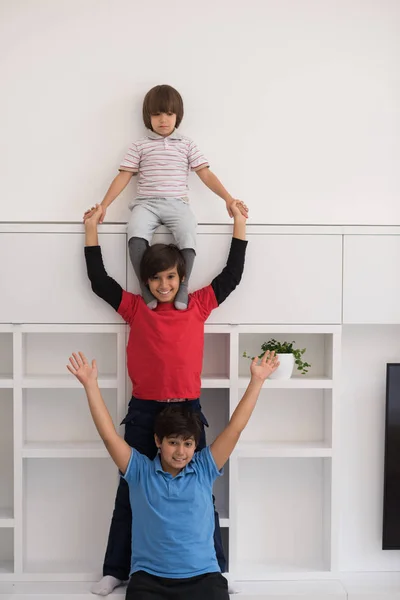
162, 98
161, 257
179, 421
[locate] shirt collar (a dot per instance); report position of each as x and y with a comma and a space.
175, 135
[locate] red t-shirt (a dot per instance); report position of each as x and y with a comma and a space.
165, 346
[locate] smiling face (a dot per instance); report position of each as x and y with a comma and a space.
175, 452
165, 285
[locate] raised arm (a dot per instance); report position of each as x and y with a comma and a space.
118, 449
225, 443
231, 275
103, 285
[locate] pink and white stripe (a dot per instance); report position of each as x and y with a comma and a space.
163, 164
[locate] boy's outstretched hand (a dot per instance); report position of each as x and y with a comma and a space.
238, 209
269, 363
93, 216
97, 209
83, 371
233, 204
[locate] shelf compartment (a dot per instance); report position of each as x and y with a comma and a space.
6, 551
223, 518
64, 450
215, 382
295, 382
6, 453
6, 383
319, 350
6, 358
215, 407
46, 354
283, 509
282, 450
216, 356
71, 501
6, 518
61, 416
64, 382
291, 417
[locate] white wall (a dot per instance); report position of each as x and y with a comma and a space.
365, 352
295, 102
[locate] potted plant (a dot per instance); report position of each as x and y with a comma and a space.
288, 357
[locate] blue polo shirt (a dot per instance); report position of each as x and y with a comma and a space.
172, 517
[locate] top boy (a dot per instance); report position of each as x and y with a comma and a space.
162, 160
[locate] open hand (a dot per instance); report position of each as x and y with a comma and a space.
91, 211
83, 371
234, 205
269, 363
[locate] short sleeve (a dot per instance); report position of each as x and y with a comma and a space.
206, 301
196, 159
131, 159
128, 306
136, 464
205, 466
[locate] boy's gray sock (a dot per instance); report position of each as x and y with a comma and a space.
182, 297
137, 247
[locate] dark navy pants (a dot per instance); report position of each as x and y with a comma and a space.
139, 434
210, 586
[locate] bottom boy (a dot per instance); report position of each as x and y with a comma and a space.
173, 555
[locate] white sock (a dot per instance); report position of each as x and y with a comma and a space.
106, 585
232, 587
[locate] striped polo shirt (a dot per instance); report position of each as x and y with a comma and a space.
163, 164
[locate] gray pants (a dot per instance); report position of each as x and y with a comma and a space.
148, 213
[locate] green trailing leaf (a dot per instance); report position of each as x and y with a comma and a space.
284, 348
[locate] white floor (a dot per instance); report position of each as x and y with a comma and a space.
352, 586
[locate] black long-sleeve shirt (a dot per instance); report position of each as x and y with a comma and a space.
107, 288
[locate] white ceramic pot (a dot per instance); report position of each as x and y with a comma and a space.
285, 369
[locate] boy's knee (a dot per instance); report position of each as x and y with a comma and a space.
184, 232
185, 240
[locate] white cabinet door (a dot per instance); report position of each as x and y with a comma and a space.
371, 282
287, 278
43, 278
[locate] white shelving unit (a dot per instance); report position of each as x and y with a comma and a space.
6, 453
277, 500
54, 509
283, 474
